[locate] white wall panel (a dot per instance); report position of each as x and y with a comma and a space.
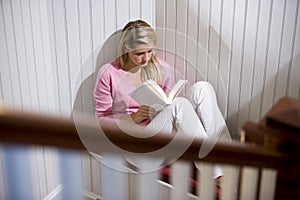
248, 60
294, 82
273, 53
6, 81
252, 43
11, 51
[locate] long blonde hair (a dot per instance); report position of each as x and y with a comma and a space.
134, 34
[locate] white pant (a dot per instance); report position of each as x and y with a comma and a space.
196, 115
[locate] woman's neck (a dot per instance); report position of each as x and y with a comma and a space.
134, 75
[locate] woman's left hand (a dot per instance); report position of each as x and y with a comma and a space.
143, 113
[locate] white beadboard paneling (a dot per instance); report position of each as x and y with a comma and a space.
12, 57
274, 49
161, 25
225, 54
134, 9
170, 34
109, 15
214, 43
294, 81
30, 57
62, 53
191, 40
147, 11
21, 54
50, 87
98, 22
203, 38
236, 65
286, 50
87, 57
73, 36
122, 13
260, 59
180, 42
40, 63
4, 62
248, 60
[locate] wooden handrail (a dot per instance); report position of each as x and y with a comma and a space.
18, 127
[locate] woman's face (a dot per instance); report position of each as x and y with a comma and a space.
140, 56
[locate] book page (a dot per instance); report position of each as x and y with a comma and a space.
147, 94
176, 89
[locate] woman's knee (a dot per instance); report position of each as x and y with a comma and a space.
202, 85
199, 90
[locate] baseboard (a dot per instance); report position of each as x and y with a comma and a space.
54, 194
91, 196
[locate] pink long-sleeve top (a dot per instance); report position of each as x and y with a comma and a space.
112, 90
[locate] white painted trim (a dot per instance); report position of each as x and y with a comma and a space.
54, 193
91, 195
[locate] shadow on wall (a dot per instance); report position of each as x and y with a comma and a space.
84, 98
266, 92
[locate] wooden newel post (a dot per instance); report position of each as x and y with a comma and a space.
280, 130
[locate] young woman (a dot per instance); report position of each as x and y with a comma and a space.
194, 115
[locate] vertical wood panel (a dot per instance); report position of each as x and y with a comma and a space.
225, 54
122, 13
4, 61
41, 64
147, 11
271, 69
191, 40
161, 31
110, 17
62, 53
286, 50
180, 43
235, 70
73, 36
294, 82
49, 89
214, 42
203, 38
134, 9
13, 64
21, 53
248, 60
31, 61
260, 59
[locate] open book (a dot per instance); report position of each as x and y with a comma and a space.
151, 94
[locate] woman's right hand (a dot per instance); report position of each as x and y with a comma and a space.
143, 113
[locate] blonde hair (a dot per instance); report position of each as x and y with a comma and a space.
134, 34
